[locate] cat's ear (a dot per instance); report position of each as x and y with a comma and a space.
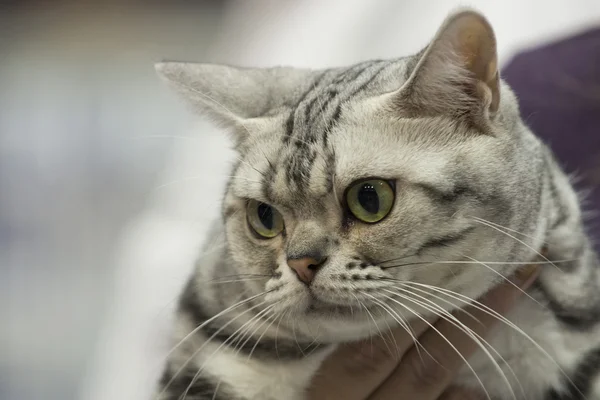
457, 72
239, 98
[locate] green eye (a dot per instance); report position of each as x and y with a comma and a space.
370, 200
264, 219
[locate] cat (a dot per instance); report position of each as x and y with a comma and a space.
349, 180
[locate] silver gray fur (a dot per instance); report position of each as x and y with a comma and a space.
472, 183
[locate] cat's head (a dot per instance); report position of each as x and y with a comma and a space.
357, 188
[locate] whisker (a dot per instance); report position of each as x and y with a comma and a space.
274, 316
435, 296
251, 166
472, 261
360, 303
508, 281
208, 321
397, 258
441, 335
239, 275
248, 333
241, 280
314, 347
493, 313
320, 102
508, 229
518, 240
197, 375
478, 339
277, 333
216, 390
209, 339
139, 137
251, 331
315, 338
271, 166
201, 177
474, 318
296, 139
212, 250
402, 323
376, 326
335, 196
296, 337
389, 328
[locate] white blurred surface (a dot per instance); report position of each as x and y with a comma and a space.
78, 102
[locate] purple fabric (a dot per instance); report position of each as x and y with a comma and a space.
558, 86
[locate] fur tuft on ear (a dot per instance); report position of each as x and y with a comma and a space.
457, 73
235, 97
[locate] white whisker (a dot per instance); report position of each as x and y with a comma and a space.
197, 375
139, 137
216, 390
508, 229
376, 326
208, 321
360, 303
401, 322
441, 335
296, 337
274, 316
518, 240
483, 308
478, 339
507, 280
209, 339
248, 332
277, 331
200, 177
218, 278
424, 263
439, 298
241, 280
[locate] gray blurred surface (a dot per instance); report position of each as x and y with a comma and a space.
79, 106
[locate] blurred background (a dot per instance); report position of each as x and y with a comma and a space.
107, 183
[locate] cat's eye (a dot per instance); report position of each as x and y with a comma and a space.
264, 219
370, 200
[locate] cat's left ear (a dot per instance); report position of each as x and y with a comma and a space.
458, 71
243, 100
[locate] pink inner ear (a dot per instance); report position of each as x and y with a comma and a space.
456, 74
473, 39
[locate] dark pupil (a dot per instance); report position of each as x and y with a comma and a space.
265, 213
368, 198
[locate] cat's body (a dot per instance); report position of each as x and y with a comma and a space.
470, 182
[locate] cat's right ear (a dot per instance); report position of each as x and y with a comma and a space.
457, 73
238, 98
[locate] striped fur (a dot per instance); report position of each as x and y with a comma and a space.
472, 183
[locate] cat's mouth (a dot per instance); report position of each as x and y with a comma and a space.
319, 306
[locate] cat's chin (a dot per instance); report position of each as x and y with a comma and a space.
333, 323
336, 325
323, 308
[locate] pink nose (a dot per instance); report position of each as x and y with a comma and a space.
305, 268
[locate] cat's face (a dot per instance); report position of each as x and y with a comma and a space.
358, 188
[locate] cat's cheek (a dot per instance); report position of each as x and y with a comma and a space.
253, 256
377, 242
